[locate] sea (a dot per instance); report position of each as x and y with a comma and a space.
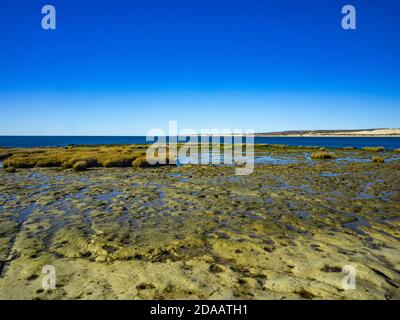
329, 142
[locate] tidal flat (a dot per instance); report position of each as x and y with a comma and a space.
200, 232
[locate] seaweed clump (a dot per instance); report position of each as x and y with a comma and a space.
378, 160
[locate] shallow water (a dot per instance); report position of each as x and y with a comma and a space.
267, 159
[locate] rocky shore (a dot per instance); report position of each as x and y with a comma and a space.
283, 232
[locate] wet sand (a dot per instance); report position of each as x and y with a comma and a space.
188, 232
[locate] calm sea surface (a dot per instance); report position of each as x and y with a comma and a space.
336, 142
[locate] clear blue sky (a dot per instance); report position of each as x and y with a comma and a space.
124, 67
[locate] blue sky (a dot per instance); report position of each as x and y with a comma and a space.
124, 67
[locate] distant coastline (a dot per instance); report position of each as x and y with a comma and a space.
354, 133
381, 132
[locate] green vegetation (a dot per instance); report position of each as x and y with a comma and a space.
374, 149
397, 150
378, 159
20, 162
283, 148
4, 155
322, 155
101, 156
10, 169
80, 166
140, 162
74, 157
90, 162
48, 162
120, 162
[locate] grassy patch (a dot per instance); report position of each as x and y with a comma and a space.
20, 162
10, 169
80, 166
322, 155
378, 160
67, 157
374, 149
124, 161
282, 148
48, 162
4, 155
140, 162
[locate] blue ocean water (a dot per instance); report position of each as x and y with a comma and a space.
330, 142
